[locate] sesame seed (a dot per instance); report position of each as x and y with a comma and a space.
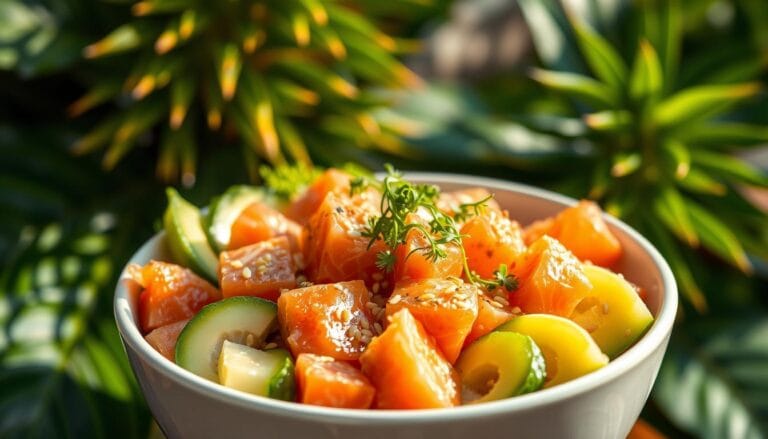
377, 328
517, 310
375, 288
270, 346
496, 304
250, 340
366, 333
426, 296
501, 300
247, 273
605, 308
354, 234
237, 263
364, 324
396, 298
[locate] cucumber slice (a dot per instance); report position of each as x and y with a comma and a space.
186, 238
225, 209
266, 373
500, 365
241, 319
569, 352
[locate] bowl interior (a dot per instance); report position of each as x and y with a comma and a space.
640, 263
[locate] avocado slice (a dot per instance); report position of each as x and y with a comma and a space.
569, 352
500, 365
613, 313
224, 210
186, 238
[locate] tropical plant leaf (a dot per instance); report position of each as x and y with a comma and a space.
548, 26
646, 80
602, 57
662, 24
578, 86
701, 102
62, 367
730, 168
723, 135
717, 389
717, 237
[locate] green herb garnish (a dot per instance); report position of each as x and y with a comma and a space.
288, 180
400, 198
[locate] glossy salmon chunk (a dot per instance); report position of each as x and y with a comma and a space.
261, 269
328, 382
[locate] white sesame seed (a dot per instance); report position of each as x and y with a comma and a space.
270, 346
396, 298
377, 328
501, 300
426, 296
517, 310
364, 324
375, 288
247, 273
250, 340
366, 333
237, 263
496, 304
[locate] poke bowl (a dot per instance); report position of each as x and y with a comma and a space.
603, 403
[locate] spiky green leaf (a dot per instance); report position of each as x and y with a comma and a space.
602, 57
578, 86
702, 102
646, 80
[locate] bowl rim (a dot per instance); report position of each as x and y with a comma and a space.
653, 339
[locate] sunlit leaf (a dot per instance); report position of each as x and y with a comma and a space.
646, 80
700, 102
730, 168
578, 86
602, 57
716, 237
671, 208
725, 134
548, 26
662, 25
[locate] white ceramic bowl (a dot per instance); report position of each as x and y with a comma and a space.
603, 404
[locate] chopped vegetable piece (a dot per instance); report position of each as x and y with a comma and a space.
329, 319
265, 373
500, 365
569, 352
491, 240
336, 250
332, 180
328, 382
261, 269
186, 238
242, 319
259, 222
612, 313
551, 279
171, 293
224, 210
582, 230
492, 311
163, 339
407, 369
447, 308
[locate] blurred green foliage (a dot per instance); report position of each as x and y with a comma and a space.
639, 104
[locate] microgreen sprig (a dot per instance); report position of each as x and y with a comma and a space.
400, 198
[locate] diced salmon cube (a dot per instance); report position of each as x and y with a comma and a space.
447, 308
259, 222
490, 315
171, 293
583, 231
411, 262
330, 181
407, 369
551, 279
336, 250
163, 339
328, 382
330, 319
490, 240
261, 269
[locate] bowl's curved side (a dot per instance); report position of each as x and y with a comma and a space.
602, 404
